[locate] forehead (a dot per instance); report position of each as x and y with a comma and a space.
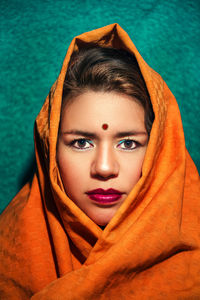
92, 109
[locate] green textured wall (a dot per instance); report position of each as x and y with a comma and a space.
34, 40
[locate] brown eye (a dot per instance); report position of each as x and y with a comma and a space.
81, 144
127, 144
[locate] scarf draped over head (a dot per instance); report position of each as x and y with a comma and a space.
150, 249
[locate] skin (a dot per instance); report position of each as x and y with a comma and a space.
104, 160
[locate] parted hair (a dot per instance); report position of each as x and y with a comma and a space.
107, 70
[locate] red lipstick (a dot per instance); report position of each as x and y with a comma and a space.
104, 196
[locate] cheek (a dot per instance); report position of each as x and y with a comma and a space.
136, 173
132, 168
71, 171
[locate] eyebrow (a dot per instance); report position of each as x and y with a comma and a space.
94, 136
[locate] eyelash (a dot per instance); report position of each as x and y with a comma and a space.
132, 142
73, 144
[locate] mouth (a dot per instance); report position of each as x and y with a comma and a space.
104, 196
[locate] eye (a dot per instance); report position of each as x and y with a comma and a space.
81, 144
127, 144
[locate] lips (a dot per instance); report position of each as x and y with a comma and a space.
104, 196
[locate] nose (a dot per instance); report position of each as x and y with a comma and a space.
105, 164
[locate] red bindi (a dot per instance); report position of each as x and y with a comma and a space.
105, 126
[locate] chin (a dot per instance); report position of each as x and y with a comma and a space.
102, 223
102, 220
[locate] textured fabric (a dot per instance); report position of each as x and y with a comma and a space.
150, 249
34, 37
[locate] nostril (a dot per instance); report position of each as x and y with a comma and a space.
103, 177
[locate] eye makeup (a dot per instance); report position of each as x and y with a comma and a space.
128, 144
81, 144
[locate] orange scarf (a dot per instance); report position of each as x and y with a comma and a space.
150, 249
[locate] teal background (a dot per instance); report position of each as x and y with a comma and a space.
34, 38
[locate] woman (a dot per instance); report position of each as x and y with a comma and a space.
113, 211
105, 123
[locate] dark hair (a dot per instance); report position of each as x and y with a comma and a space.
107, 69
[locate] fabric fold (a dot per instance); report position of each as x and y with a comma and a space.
50, 249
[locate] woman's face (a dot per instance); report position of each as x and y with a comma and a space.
99, 166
